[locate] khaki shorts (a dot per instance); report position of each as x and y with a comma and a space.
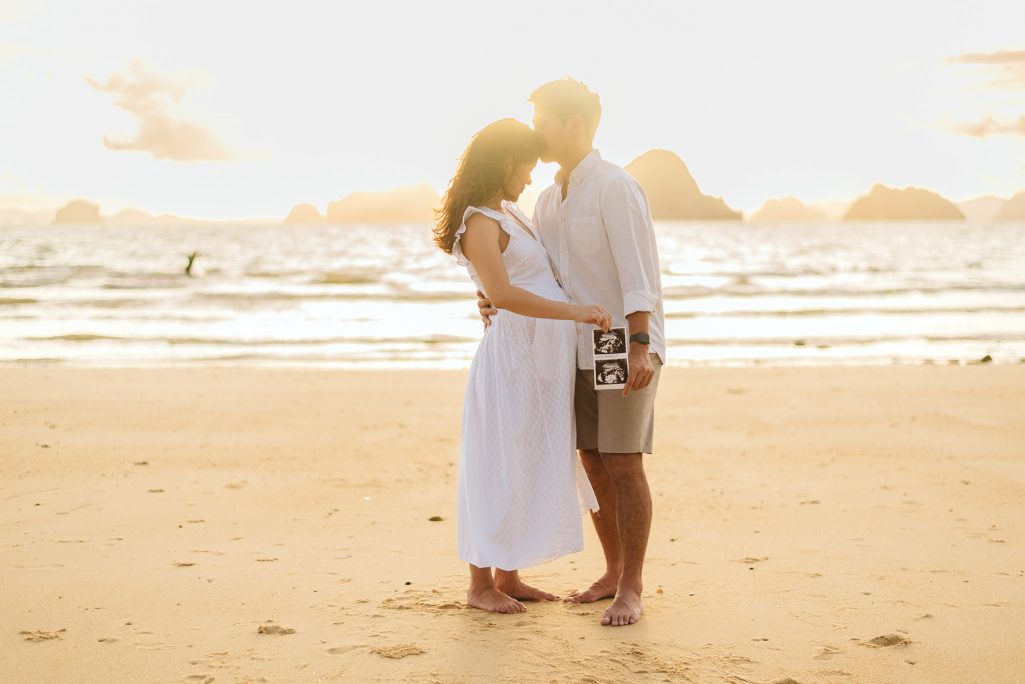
611, 423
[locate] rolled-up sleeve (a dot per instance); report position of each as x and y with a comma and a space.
631, 234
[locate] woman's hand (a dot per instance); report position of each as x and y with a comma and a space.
595, 314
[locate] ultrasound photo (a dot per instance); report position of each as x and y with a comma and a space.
610, 374
611, 342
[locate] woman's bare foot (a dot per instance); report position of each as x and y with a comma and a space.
513, 586
604, 587
625, 610
489, 598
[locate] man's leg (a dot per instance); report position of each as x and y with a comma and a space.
633, 511
605, 524
626, 431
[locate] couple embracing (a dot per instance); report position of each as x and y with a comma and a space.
587, 259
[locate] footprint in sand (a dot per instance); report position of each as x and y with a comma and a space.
636, 659
887, 640
420, 602
827, 652
399, 651
41, 635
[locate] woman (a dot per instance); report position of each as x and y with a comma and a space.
519, 476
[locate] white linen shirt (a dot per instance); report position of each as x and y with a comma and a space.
601, 243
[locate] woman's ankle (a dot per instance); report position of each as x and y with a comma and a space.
481, 578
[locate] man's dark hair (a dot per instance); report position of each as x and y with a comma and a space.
566, 97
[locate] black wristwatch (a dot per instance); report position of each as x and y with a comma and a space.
640, 337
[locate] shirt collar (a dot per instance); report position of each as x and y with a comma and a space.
581, 170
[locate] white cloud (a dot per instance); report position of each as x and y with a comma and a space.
146, 95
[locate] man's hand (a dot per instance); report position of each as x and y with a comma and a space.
486, 310
641, 370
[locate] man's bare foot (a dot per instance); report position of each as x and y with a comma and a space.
493, 600
524, 592
604, 587
625, 610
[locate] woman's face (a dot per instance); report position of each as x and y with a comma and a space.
519, 179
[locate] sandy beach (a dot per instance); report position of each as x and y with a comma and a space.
847, 524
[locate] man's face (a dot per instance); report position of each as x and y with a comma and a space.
553, 133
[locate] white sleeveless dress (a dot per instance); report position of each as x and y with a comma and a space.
520, 486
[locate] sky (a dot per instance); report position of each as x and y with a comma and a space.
239, 109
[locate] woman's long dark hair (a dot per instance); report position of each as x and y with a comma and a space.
481, 173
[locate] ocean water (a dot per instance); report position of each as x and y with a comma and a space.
384, 296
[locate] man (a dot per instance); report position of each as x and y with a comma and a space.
596, 225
